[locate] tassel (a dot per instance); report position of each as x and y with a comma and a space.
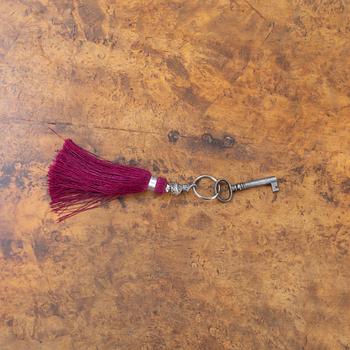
78, 181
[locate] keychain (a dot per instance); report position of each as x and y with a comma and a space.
78, 181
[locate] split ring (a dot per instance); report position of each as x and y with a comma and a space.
196, 182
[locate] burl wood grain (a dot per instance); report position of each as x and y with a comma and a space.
237, 89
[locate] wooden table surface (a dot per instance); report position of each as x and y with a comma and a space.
237, 89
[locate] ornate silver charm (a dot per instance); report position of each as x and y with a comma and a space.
176, 189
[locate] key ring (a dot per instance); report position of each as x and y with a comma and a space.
196, 183
217, 193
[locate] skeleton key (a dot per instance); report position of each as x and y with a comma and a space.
272, 180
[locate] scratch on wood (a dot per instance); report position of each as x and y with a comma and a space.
255, 10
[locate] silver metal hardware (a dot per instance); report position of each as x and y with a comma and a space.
272, 180
176, 189
152, 183
223, 190
196, 183
229, 195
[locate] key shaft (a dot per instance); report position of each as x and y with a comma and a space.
272, 180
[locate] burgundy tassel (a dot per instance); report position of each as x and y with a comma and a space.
78, 180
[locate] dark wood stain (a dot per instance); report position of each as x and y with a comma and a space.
190, 97
282, 62
173, 136
345, 186
41, 248
176, 66
200, 221
122, 202
225, 142
92, 18
6, 248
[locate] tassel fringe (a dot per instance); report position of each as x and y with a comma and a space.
78, 181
